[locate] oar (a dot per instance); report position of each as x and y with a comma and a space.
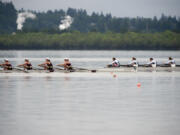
126, 66
157, 65
33, 68
65, 70
80, 68
41, 66
166, 65
58, 68
36, 68
20, 69
146, 65
120, 66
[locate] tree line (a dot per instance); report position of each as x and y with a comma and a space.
8, 16
92, 41
83, 22
95, 31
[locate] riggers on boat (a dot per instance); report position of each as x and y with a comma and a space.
122, 68
133, 66
140, 69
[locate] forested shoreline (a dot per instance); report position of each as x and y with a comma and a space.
82, 21
96, 31
91, 41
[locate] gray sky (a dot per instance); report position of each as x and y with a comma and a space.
119, 8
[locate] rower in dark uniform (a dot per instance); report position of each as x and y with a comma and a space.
6, 65
27, 65
47, 65
67, 64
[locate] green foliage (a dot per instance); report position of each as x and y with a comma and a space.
49, 21
7, 17
95, 31
92, 40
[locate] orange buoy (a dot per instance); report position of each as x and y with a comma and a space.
138, 85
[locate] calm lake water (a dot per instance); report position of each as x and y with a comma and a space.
89, 103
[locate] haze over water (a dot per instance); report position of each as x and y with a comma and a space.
89, 103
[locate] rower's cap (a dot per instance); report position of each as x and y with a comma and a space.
6, 60
47, 58
170, 58
66, 58
26, 59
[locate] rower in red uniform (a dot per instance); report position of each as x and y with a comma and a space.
67, 64
47, 65
6, 65
27, 65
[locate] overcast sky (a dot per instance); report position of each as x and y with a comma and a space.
119, 8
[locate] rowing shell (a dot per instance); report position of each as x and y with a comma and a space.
113, 69
19, 70
140, 69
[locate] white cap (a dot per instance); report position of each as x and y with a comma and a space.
66, 58
6, 60
47, 58
26, 59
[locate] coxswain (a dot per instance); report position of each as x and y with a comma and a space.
152, 63
170, 62
27, 64
67, 64
6, 65
115, 63
133, 62
47, 65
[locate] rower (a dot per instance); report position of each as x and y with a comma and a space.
67, 64
152, 63
133, 62
47, 65
171, 62
115, 63
27, 65
6, 65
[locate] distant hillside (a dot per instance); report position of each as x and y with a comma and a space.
50, 20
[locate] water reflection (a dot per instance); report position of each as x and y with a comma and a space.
85, 105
